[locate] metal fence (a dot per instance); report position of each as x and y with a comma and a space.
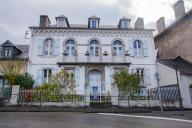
51, 98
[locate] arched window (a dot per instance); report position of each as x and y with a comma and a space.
118, 48
94, 48
138, 48
48, 47
70, 47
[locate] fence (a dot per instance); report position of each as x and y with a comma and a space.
52, 98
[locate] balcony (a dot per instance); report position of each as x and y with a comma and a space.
86, 58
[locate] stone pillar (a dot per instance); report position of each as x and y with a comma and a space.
15, 94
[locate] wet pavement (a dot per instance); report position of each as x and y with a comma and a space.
85, 120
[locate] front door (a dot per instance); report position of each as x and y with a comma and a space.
95, 85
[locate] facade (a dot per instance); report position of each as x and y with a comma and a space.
176, 39
12, 52
183, 77
92, 52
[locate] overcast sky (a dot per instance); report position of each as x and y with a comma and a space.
17, 15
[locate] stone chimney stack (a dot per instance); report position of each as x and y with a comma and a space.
161, 24
139, 24
44, 21
179, 9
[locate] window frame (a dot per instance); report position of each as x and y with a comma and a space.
118, 52
47, 76
70, 45
138, 51
49, 49
94, 48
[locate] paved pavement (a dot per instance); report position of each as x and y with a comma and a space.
87, 120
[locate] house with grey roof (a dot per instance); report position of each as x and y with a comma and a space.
13, 52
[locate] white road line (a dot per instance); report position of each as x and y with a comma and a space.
147, 117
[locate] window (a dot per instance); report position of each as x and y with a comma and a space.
48, 47
61, 23
93, 24
140, 73
70, 47
124, 24
47, 75
94, 48
138, 48
118, 48
7, 52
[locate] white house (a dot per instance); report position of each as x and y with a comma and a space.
93, 52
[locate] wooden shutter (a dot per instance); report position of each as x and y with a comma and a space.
77, 76
40, 47
56, 48
145, 48
39, 79
131, 48
147, 79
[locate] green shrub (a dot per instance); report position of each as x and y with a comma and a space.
25, 81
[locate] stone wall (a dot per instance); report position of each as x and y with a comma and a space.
176, 42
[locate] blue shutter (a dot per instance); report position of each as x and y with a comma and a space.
131, 48
77, 76
40, 47
145, 48
56, 48
147, 79
39, 78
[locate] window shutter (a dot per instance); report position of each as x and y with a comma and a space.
131, 48
145, 48
56, 48
40, 47
112, 71
147, 79
77, 76
54, 71
39, 79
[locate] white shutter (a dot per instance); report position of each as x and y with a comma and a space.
131, 48
39, 79
56, 48
112, 71
54, 71
40, 47
77, 76
145, 48
147, 79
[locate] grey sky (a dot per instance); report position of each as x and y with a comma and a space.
17, 15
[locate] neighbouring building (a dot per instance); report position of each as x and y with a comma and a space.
92, 52
13, 52
176, 39
174, 72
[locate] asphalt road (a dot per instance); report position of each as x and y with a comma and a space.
85, 120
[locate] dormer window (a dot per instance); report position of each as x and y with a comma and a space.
93, 22
62, 21
7, 52
124, 23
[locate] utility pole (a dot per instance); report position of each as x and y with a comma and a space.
157, 76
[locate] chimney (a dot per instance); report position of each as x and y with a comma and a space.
179, 9
139, 24
161, 24
44, 21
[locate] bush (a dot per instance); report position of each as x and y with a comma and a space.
25, 81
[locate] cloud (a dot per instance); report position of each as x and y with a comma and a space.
17, 15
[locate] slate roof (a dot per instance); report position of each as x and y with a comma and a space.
23, 50
184, 66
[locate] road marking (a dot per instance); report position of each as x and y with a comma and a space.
147, 117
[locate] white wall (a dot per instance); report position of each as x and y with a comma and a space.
167, 75
82, 37
185, 82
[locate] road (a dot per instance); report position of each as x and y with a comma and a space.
86, 120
